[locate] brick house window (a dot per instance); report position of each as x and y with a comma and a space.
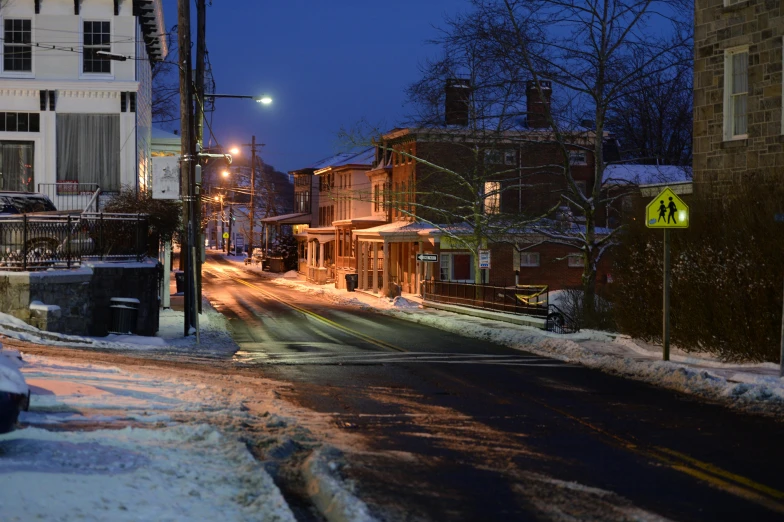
736, 90
578, 157
529, 259
575, 261
17, 53
492, 200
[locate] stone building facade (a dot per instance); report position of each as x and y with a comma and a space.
738, 127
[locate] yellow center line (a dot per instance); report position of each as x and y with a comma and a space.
713, 475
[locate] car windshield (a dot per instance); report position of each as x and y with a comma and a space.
25, 204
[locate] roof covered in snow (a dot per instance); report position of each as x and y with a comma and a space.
646, 174
363, 157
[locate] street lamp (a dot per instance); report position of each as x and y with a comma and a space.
263, 99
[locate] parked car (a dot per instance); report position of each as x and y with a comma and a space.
14, 393
24, 203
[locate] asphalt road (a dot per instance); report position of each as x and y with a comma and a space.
461, 429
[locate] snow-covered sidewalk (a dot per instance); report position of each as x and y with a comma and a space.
754, 388
106, 444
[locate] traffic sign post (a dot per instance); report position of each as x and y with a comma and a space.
484, 260
666, 211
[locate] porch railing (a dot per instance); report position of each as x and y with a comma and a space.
84, 197
39, 242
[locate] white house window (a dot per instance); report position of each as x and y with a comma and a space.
97, 37
16, 165
492, 197
529, 259
493, 157
88, 149
736, 90
17, 52
575, 261
510, 157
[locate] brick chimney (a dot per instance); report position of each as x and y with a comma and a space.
536, 107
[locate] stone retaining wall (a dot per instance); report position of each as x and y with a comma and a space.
83, 295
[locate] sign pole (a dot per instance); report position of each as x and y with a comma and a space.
666, 296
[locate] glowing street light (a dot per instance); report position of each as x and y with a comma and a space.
264, 100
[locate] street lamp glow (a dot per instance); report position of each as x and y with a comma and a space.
225, 173
264, 100
235, 151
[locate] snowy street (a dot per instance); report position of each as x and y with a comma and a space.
352, 406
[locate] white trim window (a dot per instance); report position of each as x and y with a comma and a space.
492, 197
575, 261
736, 93
97, 37
457, 266
444, 265
529, 259
578, 157
17, 50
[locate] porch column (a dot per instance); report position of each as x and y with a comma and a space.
321, 254
375, 268
366, 264
410, 275
385, 283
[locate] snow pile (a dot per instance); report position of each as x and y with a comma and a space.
291, 274
157, 448
186, 472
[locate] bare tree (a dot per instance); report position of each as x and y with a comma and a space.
654, 122
165, 85
596, 55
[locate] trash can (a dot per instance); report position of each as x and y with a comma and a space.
352, 281
124, 311
179, 278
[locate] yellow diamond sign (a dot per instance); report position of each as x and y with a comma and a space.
667, 210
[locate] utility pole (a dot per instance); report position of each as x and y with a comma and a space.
187, 170
252, 191
201, 51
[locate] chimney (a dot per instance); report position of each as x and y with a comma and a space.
537, 107
458, 96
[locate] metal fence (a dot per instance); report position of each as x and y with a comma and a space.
512, 299
83, 197
521, 300
40, 242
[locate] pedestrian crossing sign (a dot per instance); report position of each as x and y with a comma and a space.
667, 210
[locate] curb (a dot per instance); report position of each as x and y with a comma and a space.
327, 493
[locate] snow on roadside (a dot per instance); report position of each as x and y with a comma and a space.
102, 443
215, 338
754, 388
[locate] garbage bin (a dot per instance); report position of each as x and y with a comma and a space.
124, 311
352, 281
179, 278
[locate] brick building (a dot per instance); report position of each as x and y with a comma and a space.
738, 122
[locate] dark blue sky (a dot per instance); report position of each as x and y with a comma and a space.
327, 64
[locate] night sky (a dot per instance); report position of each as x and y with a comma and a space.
327, 64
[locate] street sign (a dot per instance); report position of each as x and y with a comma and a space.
427, 258
484, 260
667, 210
225, 235
239, 241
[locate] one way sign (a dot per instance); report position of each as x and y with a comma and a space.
427, 258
